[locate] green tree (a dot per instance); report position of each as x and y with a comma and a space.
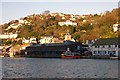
86, 26
72, 29
76, 36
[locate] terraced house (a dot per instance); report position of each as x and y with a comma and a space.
106, 47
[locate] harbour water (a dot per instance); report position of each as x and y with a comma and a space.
59, 68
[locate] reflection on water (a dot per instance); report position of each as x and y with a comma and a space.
0, 68
59, 68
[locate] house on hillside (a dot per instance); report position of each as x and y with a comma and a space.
13, 26
68, 37
106, 47
30, 40
67, 23
47, 39
26, 41
116, 27
33, 40
8, 36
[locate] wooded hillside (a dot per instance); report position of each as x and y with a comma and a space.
88, 26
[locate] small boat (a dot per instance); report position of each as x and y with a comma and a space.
114, 58
70, 55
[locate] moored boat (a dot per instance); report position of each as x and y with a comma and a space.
114, 57
70, 55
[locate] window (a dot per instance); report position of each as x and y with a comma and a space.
115, 45
118, 46
95, 52
78, 47
98, 51
108, 52
95, 46
105, 52
109, 46
114, 52
103, 46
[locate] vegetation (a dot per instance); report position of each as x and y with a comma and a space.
96, 26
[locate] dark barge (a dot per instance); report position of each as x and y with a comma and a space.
51, 50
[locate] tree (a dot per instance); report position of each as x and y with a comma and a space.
72, 29
86, 26
76, 36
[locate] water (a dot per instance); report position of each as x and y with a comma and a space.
59, 68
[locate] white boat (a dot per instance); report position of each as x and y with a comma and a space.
70, 55
113, 57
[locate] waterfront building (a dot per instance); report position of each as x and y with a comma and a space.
106, 47
51, 49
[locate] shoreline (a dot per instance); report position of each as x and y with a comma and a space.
82, 57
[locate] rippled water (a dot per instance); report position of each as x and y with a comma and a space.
59, 68
0, 68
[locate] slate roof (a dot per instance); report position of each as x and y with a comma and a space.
107, 41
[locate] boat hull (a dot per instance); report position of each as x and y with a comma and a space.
70, 57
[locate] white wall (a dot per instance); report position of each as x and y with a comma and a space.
106, 48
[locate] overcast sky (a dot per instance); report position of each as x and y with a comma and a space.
12, 9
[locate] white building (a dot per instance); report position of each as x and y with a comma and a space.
84, 21
14, 26
26, 41
8, 36
33, 40
72, 17
67, 23
47, 39
90, 42
116, 27
69, 37
24, 22
106, 47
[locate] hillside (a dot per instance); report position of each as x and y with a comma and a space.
88, 26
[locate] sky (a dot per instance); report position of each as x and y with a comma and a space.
14, 10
